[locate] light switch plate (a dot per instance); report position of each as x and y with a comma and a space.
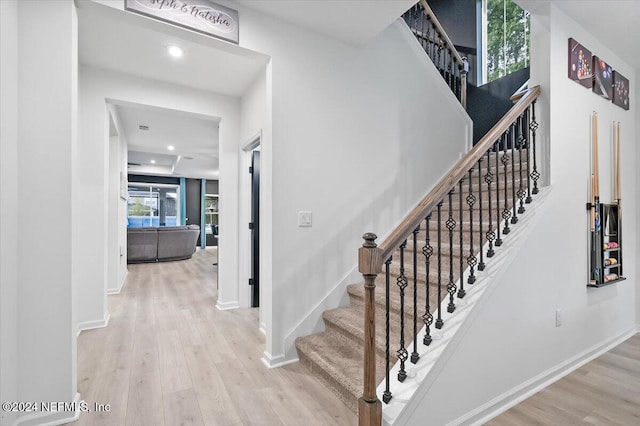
304, 219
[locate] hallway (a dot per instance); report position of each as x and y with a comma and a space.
169, 357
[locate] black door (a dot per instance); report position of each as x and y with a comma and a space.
255, 229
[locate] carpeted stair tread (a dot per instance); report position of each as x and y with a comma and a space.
349, 321
337, 361
356, 296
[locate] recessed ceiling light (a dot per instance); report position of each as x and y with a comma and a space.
175, 51
171, 148
153, 161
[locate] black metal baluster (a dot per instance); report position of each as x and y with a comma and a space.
454, 70
451, 225
534, 127
506, 212
496, 146
449, 70
528, 142
427, 250
472, 261
386, 396
415, 356
425, 39
402, 282
461, 291
439, 322
481, 235
514, 204
521, 140
488, 178
441, 58
429, 38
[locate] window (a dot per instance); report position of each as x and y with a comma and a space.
507, 38
152, 205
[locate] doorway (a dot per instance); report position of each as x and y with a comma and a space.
254, 226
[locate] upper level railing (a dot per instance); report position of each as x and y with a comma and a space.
466, 213
436, 43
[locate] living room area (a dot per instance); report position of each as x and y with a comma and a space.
168, 184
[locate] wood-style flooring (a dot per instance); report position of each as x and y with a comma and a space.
605, 391
169, 357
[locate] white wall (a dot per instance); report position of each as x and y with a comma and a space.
117, 217
634, 105
38, 136
353, 140
8, 205
96, 86
513, 345
122, 214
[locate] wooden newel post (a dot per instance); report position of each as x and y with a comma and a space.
369, 265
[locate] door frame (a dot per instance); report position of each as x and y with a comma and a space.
244, 261
254, 226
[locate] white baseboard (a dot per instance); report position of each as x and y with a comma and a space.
278, 361
514, 396
312, 322
225, 306
90, 325
52, 418
119, 289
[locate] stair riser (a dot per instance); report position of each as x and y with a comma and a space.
394, 302
337, 388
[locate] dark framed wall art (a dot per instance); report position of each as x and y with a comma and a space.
620, 90
603, 78
580, 64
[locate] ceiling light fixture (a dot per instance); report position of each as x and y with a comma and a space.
175, 51
171, 148
153, 161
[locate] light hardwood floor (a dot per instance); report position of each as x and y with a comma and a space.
169, 357
605, 391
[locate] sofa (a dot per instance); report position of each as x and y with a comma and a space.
159, 244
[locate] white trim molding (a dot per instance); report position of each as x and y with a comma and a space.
53, 418
225, 306
119, 289
90, 325
516, 395
278, 361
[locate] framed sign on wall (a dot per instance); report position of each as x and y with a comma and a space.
203, 16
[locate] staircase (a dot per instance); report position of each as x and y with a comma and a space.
429, 262
335, 355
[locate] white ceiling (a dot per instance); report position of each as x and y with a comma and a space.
613, 22
115, 40
351, 21
112, 39
194, 138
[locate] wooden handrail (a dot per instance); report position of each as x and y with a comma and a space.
427, 10
520, 92
457, 172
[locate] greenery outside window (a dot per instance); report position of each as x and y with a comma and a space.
508, 34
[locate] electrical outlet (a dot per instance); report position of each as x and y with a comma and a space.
558, 317
304, 219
